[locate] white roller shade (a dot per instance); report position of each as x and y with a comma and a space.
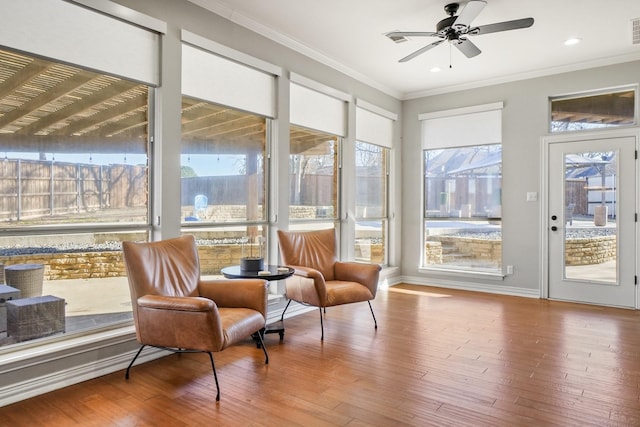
373, 128
315, 110
73, 34
478, 125
208, 76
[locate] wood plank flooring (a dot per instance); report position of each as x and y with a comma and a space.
438, 358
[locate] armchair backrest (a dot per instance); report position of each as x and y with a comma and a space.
169, 267
315, 249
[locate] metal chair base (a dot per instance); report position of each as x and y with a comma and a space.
213, 365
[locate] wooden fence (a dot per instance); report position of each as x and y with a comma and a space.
34, 188
31, 189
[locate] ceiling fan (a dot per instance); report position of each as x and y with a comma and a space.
457, 28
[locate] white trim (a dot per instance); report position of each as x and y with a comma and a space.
375, 109
230, 53
319, 87
523, 76
470, 286
124, 13
461, 111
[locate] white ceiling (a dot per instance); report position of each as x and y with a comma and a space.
349, 35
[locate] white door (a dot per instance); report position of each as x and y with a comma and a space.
591, 224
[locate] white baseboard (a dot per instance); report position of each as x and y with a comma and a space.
63, 378
469, 286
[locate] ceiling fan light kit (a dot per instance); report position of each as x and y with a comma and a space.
456, 28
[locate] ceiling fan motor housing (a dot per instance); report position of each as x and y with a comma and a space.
445, 23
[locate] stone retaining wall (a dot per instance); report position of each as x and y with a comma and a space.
587, 251
484, 249
98, 265
92, 265
593, 250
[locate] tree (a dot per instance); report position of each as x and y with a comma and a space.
187, 172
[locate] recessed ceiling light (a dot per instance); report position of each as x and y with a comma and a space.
435, 69
571, 41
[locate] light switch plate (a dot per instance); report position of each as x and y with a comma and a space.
532, 196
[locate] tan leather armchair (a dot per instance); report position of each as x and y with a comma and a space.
320, 279
174, 309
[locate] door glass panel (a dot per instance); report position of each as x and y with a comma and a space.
590, 238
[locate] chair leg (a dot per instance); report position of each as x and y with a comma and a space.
215, 376
321, 325
285, 309
264, 348
126, 374
374, 316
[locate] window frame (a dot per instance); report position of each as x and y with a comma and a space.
384, 217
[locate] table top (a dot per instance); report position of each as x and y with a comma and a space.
20, 267
270, 272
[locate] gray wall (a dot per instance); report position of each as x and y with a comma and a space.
525, 121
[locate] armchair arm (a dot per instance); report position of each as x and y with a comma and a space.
309, 272
366, 274
180, 322
244, 293
162, 302
312, 291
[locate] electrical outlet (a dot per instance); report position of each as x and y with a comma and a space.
509, 269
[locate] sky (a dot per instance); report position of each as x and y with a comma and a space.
203, 165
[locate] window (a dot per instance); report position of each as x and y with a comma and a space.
372, 172
227, 107
74, 183
74, 174
462, 208
374, 140
313, 165
224, 190
596, 110
318, 123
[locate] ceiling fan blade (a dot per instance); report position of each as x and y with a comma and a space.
396, 34
468, 48
469, 13
421, 51
502, 26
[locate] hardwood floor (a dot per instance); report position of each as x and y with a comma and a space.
438, 358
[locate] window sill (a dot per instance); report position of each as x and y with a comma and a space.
463, 273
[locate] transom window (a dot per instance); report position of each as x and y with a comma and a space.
595, 110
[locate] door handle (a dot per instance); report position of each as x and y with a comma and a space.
554, 228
